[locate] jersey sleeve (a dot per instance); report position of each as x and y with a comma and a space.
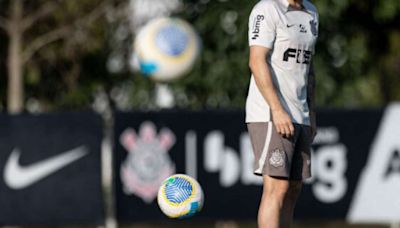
315, 29
262, 29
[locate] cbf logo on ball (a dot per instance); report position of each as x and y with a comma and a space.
167, 48
148, 162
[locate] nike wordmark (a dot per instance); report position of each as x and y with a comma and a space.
18, 177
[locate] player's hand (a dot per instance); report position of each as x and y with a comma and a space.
283, 123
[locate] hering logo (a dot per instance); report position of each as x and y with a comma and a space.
257, 24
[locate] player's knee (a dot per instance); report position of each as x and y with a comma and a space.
277, 191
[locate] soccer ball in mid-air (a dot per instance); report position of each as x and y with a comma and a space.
180, 196
166, 48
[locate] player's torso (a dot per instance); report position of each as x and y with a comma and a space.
294, 37
296, 34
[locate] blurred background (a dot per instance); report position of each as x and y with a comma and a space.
71, 72
71, 53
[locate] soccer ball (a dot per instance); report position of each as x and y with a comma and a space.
180, 196
166, 48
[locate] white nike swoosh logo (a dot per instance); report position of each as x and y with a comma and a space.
18, 177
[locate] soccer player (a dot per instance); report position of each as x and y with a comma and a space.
279, 109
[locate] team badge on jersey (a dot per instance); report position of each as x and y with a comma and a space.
313, 26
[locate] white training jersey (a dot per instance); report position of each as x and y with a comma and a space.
290, 35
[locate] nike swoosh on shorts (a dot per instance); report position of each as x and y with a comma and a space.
19, 177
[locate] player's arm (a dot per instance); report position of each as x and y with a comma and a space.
262, 76
311, 99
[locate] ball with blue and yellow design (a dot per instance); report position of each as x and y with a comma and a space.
180, 196
167, 48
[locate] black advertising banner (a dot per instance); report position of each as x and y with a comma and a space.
199, 139
356, 164
340, 152
50, 169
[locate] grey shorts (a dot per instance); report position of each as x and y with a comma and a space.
278, 156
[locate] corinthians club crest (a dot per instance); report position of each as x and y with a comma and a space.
277, 158
313, 26
148, 162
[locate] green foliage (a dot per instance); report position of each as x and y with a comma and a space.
55, 75
220, 79
356, 39
357, 60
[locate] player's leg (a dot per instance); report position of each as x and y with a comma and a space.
272, 208
273, 158
300, 170
290, 202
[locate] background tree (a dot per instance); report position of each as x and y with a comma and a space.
33, 26
357, 60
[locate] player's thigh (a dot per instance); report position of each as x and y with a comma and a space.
301, 165
272, 152
295, 187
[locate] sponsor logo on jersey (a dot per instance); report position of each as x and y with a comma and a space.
257, 24
303, 28
148, 162
301, 56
